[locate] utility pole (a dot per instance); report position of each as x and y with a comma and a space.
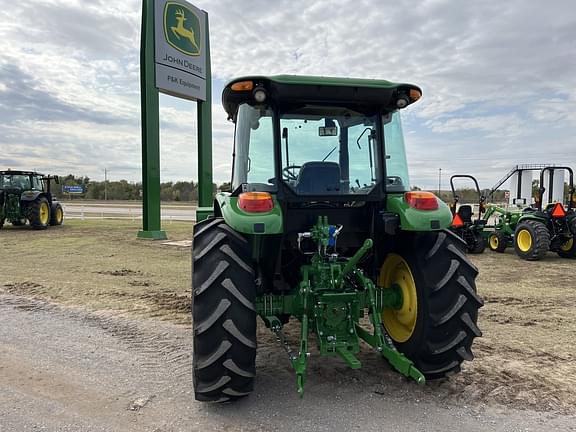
439, 181
105, 184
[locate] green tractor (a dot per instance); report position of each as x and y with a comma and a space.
25, 196
321, 227
463, 222
553, 227
500, 235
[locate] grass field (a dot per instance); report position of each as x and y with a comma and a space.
526, 359
100, 265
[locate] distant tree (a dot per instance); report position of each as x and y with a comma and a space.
225, 187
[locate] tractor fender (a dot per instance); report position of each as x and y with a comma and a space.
535, 216
412, 219
30, 195
270, 222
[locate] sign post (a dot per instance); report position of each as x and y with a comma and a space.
174, 59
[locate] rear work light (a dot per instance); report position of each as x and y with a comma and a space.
255, 202
421, 200
558, 211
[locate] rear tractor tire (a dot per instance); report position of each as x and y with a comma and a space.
568, 248
479, 244
56, 215
531, 240
436, 325
39, 215
497, 241
223, 312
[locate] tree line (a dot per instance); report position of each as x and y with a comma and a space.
187, 191
124, 190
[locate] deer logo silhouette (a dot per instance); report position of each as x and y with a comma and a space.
182, 28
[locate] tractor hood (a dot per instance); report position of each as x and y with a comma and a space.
292, 89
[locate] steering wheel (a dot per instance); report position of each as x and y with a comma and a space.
288, 172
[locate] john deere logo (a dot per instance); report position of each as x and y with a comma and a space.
182, 28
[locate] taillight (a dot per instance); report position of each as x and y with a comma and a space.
558, 211
421, 200
255, 202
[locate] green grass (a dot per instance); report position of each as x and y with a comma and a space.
100, 264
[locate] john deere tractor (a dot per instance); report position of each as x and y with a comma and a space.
548, 227
25, 197
321, 228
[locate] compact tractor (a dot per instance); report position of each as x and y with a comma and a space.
25, 196
321, 227
551, 227
463, 222
500, 235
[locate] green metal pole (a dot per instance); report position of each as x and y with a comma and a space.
151, 224
205, 192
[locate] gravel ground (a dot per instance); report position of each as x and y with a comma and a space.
66, 369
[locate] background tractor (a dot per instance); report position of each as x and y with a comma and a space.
547, 227
500, 235
25, 196
321, 226
463, 222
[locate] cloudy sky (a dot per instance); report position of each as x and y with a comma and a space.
499, 79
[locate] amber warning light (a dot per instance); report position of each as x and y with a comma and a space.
243, 86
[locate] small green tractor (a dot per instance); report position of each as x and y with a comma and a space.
321, 228
500, 235
551, 227
25, 197
463, 222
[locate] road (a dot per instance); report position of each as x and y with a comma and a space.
89, 209
65, 369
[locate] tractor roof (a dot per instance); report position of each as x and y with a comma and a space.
295, 89
17, 172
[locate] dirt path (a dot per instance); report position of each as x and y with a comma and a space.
64, 369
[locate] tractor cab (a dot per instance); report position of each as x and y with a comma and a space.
325, 144
316, 146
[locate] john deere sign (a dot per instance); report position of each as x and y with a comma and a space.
174, 59
180, 49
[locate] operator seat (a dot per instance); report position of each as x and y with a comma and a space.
318, 178
465, 213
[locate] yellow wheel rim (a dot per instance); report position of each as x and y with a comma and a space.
524, 240
494, 242
59, 215
44, 213
567, 246
399, 323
